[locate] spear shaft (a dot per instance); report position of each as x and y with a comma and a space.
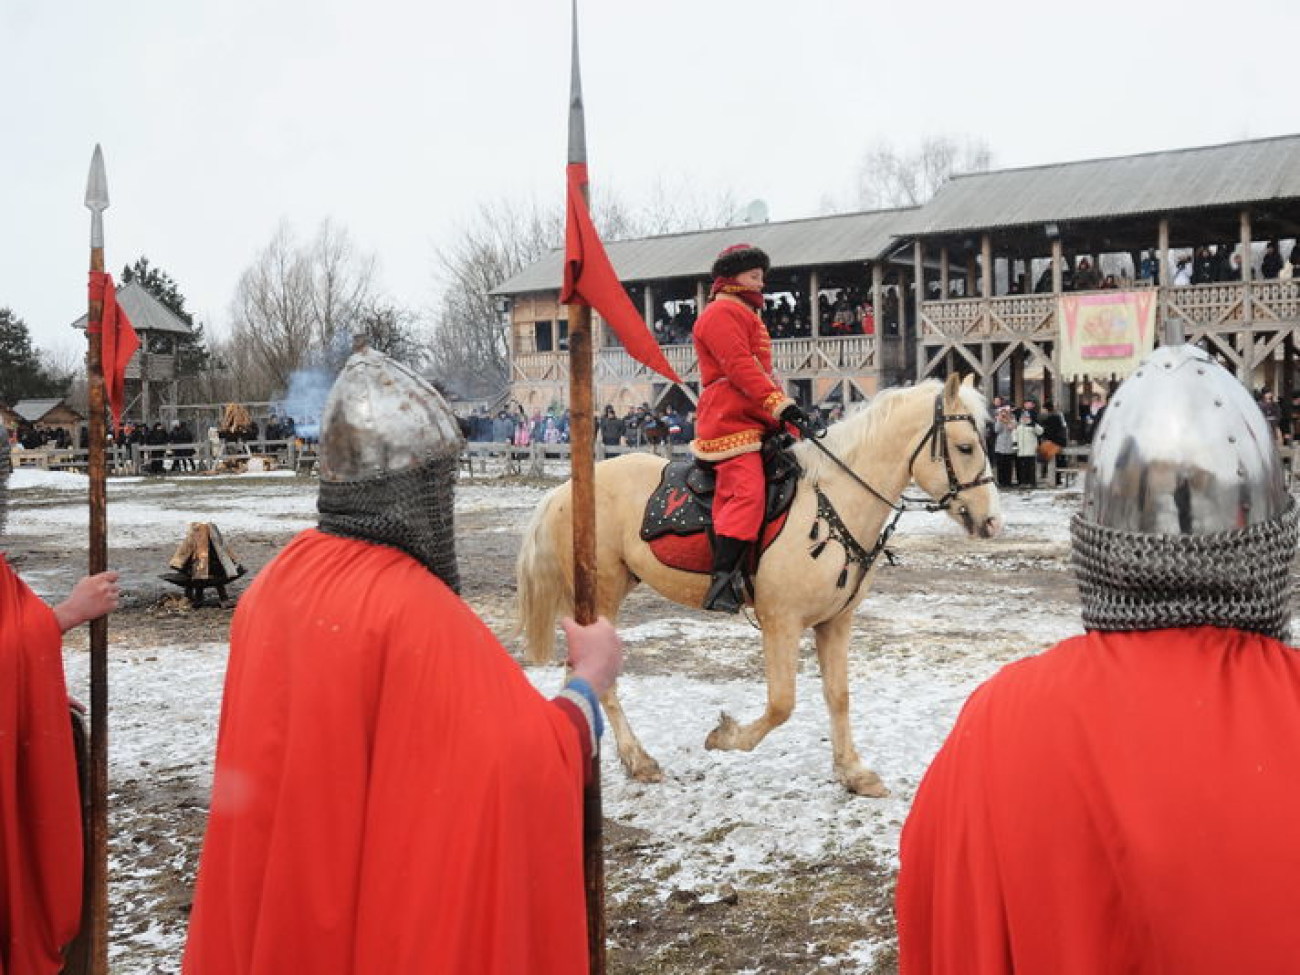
95, 916
583, 477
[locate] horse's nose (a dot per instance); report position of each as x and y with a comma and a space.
992, 527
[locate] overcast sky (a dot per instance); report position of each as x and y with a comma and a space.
221, 118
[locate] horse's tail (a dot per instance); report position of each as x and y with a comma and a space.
544, 589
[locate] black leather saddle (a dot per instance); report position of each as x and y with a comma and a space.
682, 504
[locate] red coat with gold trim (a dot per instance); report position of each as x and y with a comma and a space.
741, 397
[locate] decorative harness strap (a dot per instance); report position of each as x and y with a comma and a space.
837, 531
854, 552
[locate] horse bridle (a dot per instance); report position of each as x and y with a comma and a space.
937, 438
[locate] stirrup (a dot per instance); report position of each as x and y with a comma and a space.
726, 593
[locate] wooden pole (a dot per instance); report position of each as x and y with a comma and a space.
582, 453
582, 437
96, 894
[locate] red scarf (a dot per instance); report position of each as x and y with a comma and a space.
730, 286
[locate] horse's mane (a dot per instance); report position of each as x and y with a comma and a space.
864, 425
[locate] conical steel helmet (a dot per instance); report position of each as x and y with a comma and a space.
382, 418
1183, 449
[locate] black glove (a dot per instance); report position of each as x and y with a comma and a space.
801, 421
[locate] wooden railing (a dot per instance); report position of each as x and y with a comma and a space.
1222, 305
174, 458
791, 357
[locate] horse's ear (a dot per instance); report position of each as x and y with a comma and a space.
969, 380
951, 386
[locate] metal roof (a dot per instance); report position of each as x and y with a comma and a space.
1155, 182
814, 242
34, 410
146, 312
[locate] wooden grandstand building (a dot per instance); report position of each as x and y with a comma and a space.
668, 278
1045, 281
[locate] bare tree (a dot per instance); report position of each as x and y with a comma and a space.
470, 351
297, 306
677, 206
890, 178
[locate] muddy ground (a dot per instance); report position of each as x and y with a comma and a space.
803, 919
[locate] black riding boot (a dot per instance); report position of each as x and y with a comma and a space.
727, 591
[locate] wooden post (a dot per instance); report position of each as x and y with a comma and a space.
986, 266
1164, 279
649, 305
1058, 263
918, 262
96, 868
1247, 305
814, 302
943, 273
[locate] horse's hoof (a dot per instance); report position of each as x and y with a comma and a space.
724, 735
647, 772
865, 782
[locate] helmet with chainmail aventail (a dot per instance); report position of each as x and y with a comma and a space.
5, 467
388, 452
1186, 517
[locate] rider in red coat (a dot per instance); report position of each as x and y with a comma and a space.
742, 403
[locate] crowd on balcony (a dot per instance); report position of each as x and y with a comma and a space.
1205, 264
788, 315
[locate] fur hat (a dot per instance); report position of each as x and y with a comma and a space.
739, 258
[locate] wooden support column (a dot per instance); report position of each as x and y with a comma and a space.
943, 273
1247, 347
971, 262
986, 267
814, 302
701, 297
918, 261
878, 309
650, 306
1163, 279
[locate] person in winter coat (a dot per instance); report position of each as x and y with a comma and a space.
1025, 437
611, 428
1004, 445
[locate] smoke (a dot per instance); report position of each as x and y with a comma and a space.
305, 400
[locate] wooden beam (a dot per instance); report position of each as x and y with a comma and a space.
918, 261
986, 266
814, 302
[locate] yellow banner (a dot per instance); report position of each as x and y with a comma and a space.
1105, 334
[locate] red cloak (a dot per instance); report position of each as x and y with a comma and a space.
40, 805
390, 794
1125, 802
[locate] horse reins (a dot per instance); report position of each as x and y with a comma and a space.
937, 437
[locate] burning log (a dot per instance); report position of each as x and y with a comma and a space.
203, 560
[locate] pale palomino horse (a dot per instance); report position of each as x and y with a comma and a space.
930, 434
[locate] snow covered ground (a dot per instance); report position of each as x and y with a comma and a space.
917, 655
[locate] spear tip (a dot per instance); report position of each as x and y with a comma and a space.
97, 182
